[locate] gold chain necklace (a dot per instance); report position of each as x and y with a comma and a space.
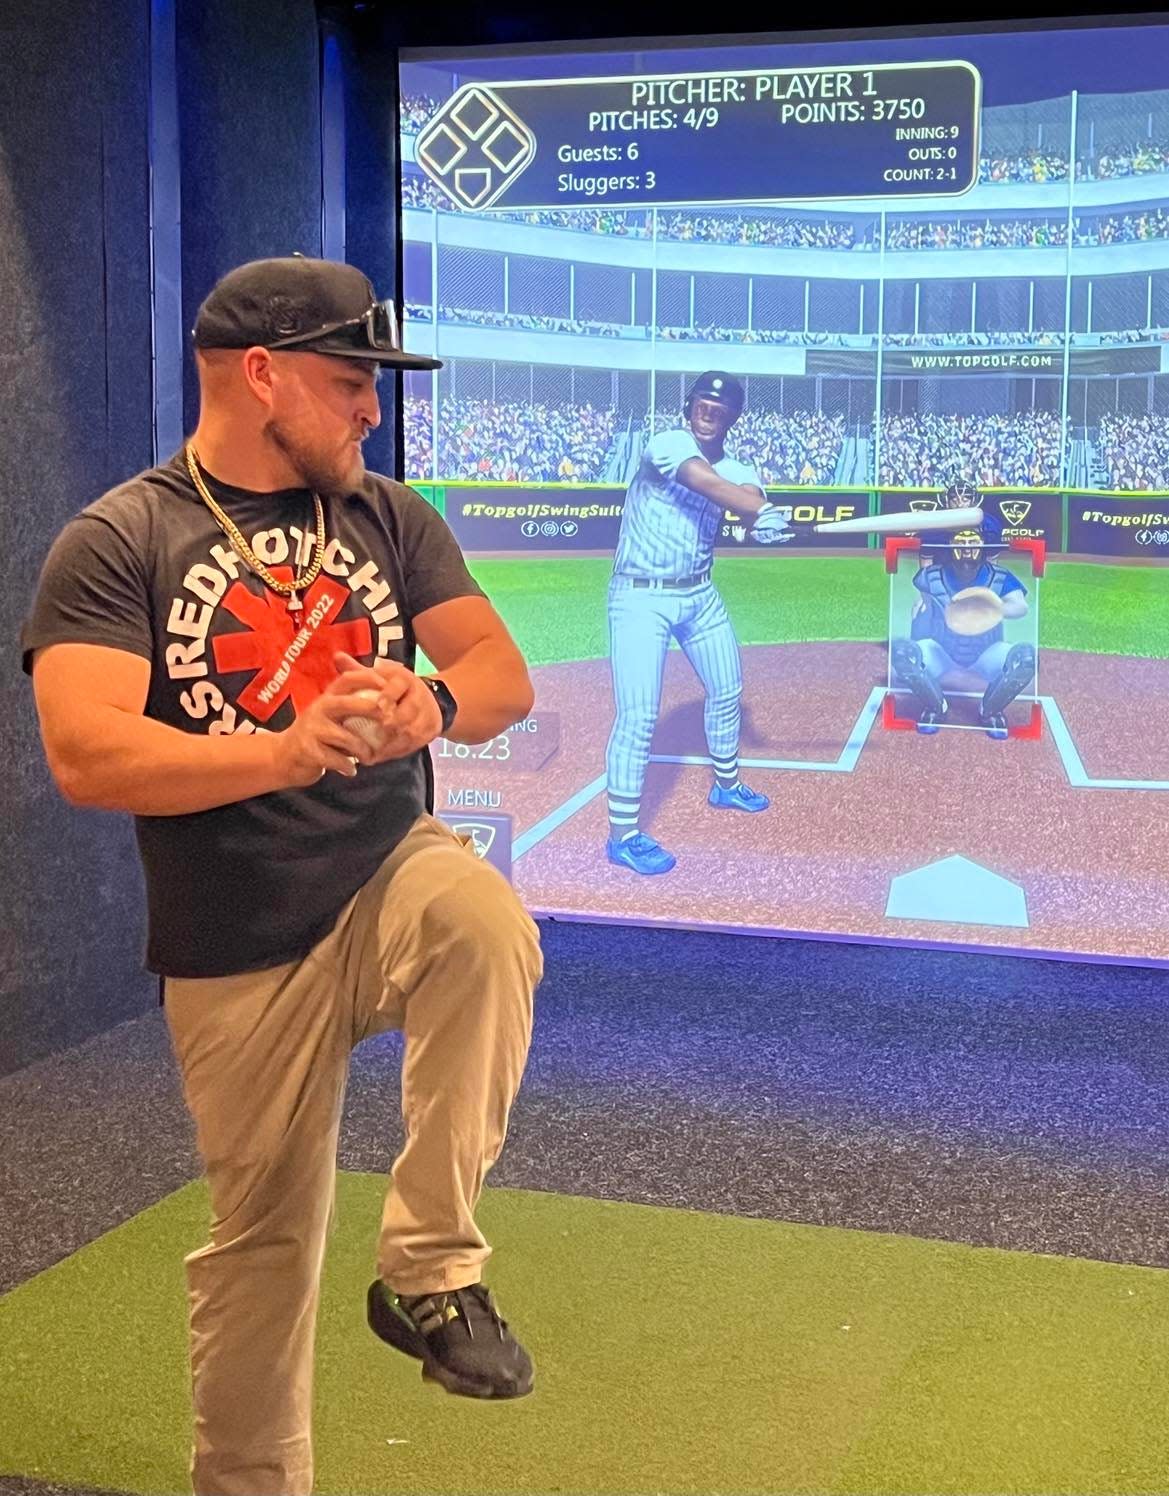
243, 550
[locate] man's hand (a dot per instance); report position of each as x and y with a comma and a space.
771, 526
405, 709
317, 740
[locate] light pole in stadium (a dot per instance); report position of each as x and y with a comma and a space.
653, 321
1064, 476
877, 390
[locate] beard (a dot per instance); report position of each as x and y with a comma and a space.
330, 473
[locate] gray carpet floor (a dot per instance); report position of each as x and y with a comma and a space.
1012, 1103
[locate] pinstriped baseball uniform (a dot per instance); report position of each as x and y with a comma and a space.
668, 534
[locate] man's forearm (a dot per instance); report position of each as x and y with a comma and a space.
492, 687
744, 500
136, 764
740, 498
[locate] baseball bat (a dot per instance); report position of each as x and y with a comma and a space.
911, 521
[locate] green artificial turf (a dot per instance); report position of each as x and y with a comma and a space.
556, 609
676, 1352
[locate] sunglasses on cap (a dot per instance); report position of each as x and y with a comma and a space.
376, 329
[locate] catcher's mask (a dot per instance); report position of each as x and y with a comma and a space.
966, 548
961, 494
725, 389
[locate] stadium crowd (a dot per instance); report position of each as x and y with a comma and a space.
784, 337
418, 437
799, 447
1025, 166
522, 443
1130, 335
1135, 450
989, 233
1136, 158
415, 110
902, 234
1001, 451
1124, 228
999, 338
1027, 233
543, 322
530, 322
509, 443
731, 227
1132, 160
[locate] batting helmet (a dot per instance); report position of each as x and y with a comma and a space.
715, 385
961, 494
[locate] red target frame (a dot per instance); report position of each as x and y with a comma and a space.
895, 547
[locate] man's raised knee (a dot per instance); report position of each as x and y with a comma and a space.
481, 913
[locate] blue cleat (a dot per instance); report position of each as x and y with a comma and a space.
996, 727
740, 798
641, 854
930, 720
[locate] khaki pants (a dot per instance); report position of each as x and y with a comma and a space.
436, 944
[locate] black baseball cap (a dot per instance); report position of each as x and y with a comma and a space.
304, 305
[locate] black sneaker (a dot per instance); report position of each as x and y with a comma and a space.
458, 1336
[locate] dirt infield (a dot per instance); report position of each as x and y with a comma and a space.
1093, 862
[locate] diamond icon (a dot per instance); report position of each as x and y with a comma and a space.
505, 146
475, 113
475, 147
443, 148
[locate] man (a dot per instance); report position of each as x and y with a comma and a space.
661, 590
957, 622
224, 647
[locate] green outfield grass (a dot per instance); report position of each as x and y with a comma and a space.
677, 1352
556, 609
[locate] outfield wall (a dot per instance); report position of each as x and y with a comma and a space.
586, 517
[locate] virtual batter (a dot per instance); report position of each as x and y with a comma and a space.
661, 589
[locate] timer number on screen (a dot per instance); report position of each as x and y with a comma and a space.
498, 748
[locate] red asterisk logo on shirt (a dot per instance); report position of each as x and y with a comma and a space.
291, 654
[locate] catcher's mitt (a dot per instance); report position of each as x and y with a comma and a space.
974, 610
771, 526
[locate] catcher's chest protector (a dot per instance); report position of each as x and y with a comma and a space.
936, 587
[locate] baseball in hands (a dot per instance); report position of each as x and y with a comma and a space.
365, 727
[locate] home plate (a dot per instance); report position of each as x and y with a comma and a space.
957, 891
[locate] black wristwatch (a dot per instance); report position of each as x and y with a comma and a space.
447, 704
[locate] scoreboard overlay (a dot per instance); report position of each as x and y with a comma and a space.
762, 135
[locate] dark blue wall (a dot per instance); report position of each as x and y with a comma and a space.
75, 417
77, 413
249, 117
370, 67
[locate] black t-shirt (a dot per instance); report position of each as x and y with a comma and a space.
147, 569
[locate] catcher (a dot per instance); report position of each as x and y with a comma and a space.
957, 624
